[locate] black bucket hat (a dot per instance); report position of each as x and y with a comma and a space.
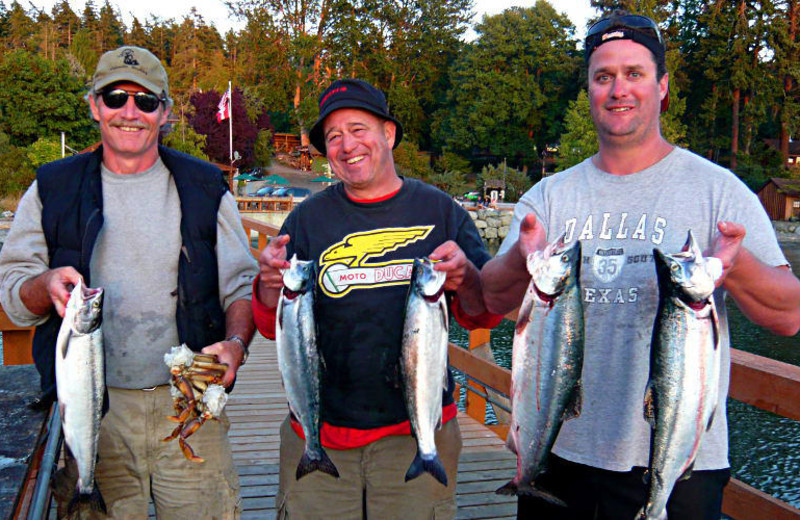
351, 93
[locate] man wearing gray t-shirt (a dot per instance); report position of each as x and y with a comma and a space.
161, 234
639, 192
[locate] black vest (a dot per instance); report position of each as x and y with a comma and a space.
72, 215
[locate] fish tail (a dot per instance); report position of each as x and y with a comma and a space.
512, 488
94, 499
433, 466
323, 463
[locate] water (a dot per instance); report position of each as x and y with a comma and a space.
764, 447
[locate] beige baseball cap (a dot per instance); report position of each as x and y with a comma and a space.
132, 64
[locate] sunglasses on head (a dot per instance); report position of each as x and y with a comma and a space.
634, 22
117, 97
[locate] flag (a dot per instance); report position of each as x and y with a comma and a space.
224, 106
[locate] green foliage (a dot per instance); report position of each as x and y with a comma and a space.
516, 181
263, 148
410, 163
16, 170
511, 86
450, 161
184, 139
580, 139
453, 183
40, 98
43, 151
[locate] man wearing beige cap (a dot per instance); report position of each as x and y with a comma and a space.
159, 231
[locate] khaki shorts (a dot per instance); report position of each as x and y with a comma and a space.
372, 481
134, 463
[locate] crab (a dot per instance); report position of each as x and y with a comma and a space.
196, 392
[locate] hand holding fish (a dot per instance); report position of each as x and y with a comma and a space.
727, 245
451, 259
532, 236
51, 288
270, 263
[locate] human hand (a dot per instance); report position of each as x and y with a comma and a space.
451, 260
230, 353
532, 236
270, 262
59, 283
726, 246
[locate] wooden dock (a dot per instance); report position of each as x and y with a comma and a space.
258, 406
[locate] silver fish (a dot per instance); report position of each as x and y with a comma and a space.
80, 384
299, 361
423, 363
547, 362
683, 388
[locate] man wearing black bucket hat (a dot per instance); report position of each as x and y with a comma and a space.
364, 234
638, 193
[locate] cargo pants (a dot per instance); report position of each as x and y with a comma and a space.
372, 481
134, 463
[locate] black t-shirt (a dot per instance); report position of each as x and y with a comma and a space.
364, 253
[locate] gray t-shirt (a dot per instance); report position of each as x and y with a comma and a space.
135, 260
619, 220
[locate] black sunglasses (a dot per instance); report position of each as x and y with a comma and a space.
633, 22
145, 101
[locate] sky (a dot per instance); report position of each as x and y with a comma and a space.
215, 11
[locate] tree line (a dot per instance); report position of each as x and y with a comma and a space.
511, 94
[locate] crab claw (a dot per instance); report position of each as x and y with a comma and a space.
188, 452
192, 426
174, 434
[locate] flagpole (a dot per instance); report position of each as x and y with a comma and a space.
230, 124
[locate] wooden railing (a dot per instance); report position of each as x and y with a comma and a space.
762, 382
264, 204
755, 380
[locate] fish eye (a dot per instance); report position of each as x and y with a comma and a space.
565, 258
95, 304
674, 267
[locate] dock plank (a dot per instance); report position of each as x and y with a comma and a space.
258, 407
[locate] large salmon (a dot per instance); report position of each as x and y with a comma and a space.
80, 384
547, 361
424, 364
299, 361
683, 389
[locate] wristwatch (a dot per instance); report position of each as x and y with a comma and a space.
242, 343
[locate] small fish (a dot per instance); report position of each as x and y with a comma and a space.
299, 361
683, 388
547, 362
80, 385
423, 364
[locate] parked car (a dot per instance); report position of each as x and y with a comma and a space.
264, 191
292, 191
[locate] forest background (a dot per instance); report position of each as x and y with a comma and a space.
510, 103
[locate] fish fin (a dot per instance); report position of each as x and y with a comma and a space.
105, 403
324, 464
443, 314
711, 419
512, 488
714, 322
509, 488
94, 500
649, 406
511, 444
523, 316
687, 474
573, 408
433, 466
65, 344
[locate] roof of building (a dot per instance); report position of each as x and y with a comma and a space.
790, 187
